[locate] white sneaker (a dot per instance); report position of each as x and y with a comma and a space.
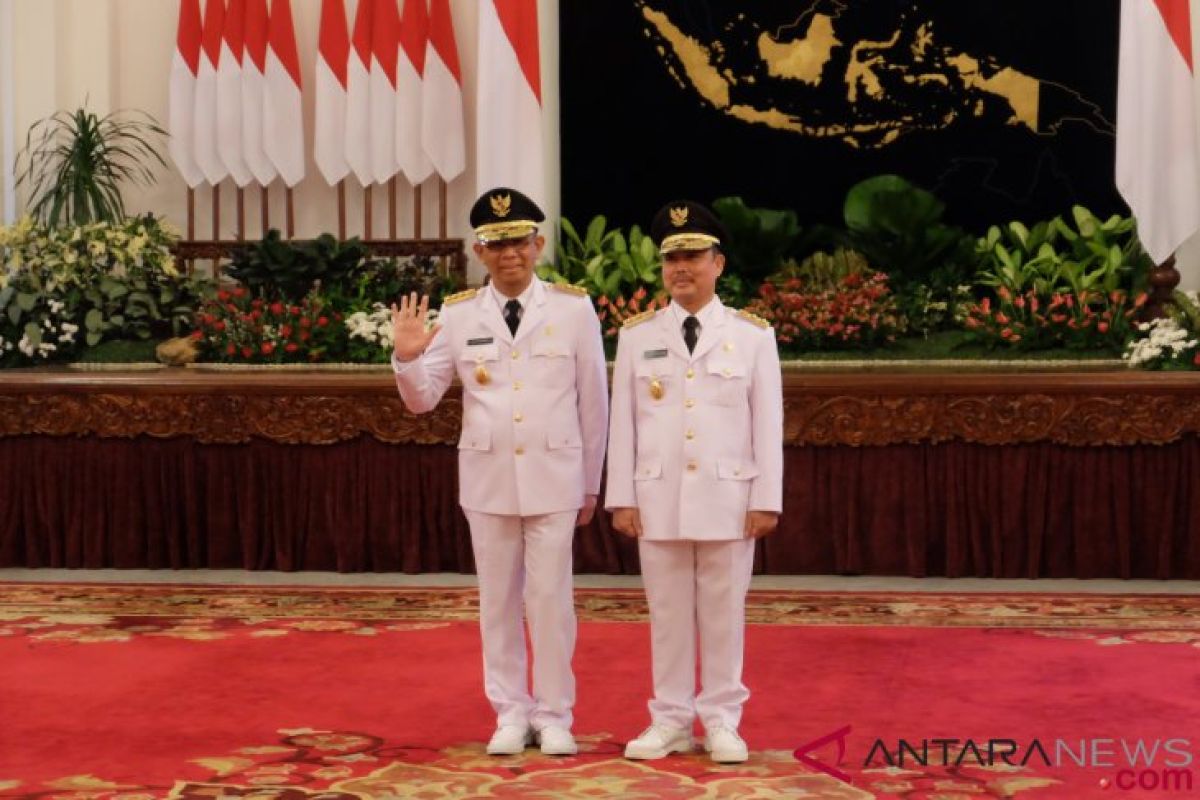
510, 740
557, 741
725, 746
659, 741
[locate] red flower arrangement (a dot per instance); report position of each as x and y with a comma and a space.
613, 313
1031, 321
858, 312
237, 327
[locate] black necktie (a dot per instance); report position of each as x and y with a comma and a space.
512, 315
689, 332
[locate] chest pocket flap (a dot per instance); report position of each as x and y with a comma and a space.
727, 369
480, 352
549, 347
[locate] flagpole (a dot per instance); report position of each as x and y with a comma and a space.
291, 215
264, 206
216, 227
1162, 279
392, 208
417, 212
191, 224
341, 189
241, 214
368, 211
441, 209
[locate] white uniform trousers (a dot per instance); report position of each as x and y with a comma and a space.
697, 586
526, 559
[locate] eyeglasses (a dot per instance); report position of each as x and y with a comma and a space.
500, 245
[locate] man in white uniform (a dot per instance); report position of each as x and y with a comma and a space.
535, 409
695, 471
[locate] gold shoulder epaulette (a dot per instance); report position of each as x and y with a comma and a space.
458, 297
638, 318
753, 319
570, 288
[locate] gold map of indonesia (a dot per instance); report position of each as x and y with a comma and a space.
904, 84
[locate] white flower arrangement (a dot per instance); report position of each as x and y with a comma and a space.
102, 269
53, 334
1165, 341
375, 327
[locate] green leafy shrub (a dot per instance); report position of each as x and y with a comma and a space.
606, 262
95, 282
291, 269
75, 162
898, 227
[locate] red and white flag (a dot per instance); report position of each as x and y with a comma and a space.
358, 95
205, 121
442, 131
283, 123
385, 51
229, 94
509, 104
333, 54
254, 62
1158, 146
181, 99
410, 70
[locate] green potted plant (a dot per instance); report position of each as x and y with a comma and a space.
75, 162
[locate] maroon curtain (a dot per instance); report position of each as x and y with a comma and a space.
1018, 511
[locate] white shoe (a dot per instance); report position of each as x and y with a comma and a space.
557, 741
510, 740
725, 746
659, 741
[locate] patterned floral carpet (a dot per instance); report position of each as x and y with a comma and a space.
104, 694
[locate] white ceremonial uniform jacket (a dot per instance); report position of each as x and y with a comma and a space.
535, 409
696, 440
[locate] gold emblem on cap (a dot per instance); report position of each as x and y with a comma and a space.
656, 389
501, 204
679, 216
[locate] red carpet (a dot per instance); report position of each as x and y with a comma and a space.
135, 692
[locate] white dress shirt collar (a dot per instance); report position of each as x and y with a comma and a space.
705, 314
524, 298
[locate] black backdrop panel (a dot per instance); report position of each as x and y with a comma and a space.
1005, 108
